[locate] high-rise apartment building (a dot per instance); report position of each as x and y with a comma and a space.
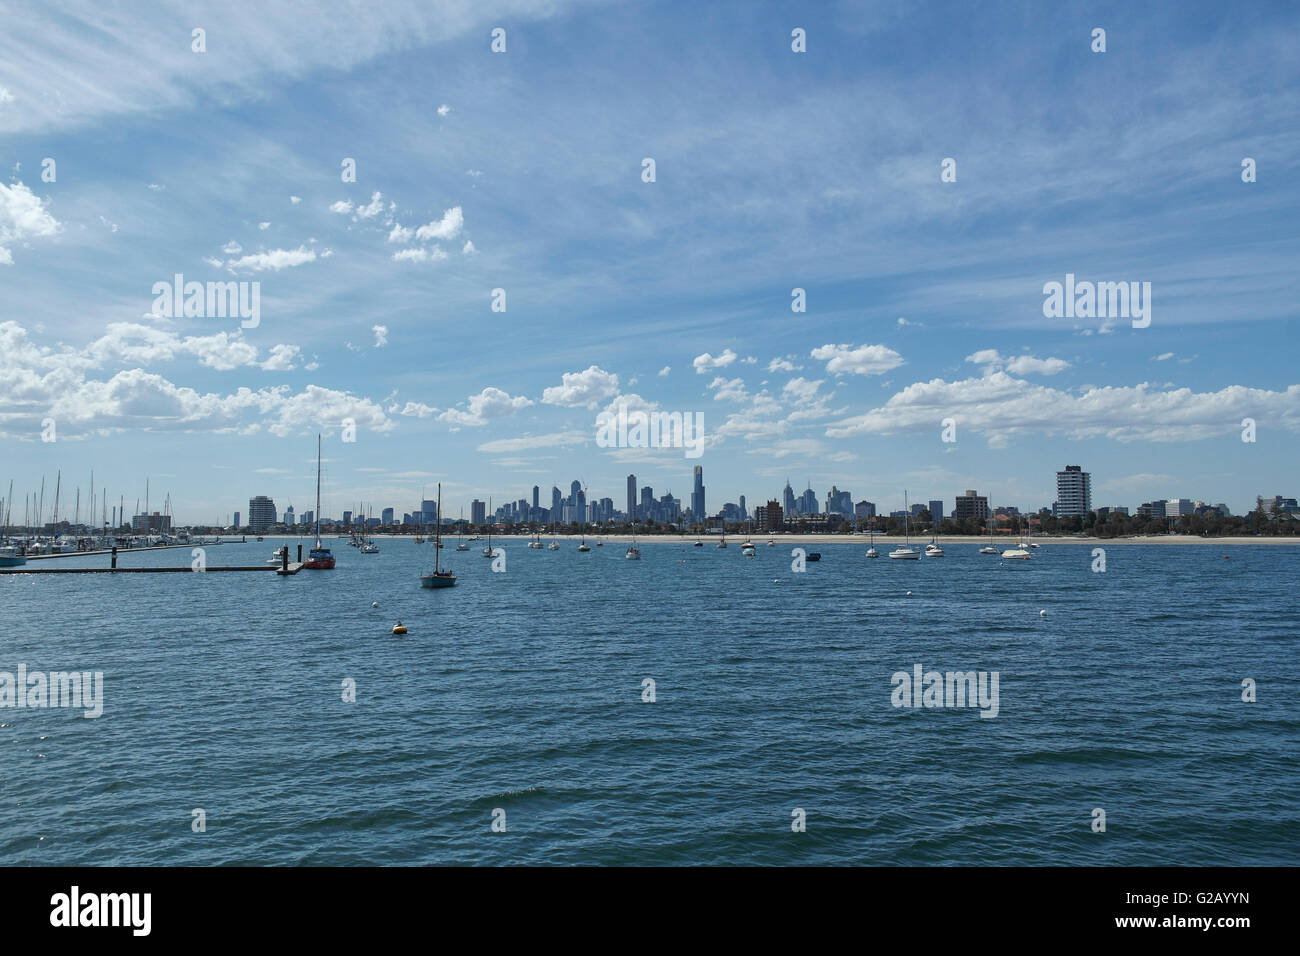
261, 513
971, 505
1073, 491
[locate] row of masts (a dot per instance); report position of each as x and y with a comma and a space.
33, 515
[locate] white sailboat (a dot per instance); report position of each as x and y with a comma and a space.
871, 551
633, 552
907, 552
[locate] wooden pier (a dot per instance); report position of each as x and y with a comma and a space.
284, 568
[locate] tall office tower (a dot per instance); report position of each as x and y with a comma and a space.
428, 511
1073, 491
347, 518
236, 524
744, 515
697, 495
631, 497
477, 512
288, 515
936, 511
536, 496
581, 506
971, 505
789, 505
808, 502
575, 489
308, 517
261, 513
647, 503
386, 516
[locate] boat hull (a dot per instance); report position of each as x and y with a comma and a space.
437, 580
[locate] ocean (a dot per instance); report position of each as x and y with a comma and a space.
519, 698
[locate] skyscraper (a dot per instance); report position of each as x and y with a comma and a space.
536, 496
697, 495
477, 512
788, 499
631, 497
1073, 491
261, 513
936, 510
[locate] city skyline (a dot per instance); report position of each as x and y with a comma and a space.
924, 300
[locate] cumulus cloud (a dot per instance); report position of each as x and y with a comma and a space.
729, 389
857, 360
416, 254
23, 216
1018, 365
372, 208
381, 335
706, 362
448, 227
275, 260
488, 404
528, 442
468, 249
582, 389
444, 109
663, 372
999, 404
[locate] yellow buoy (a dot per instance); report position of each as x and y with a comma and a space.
399, 628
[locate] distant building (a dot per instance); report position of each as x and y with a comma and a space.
236, 524
477, 512
697, 494
936, 510
288, 515
631, 497
1112, 510
1177, 507
788, 502
261, 513
1073, 491
309, 517
386, 516
768, 518
971, 505
347, 518
864, 509
808, 502
152, 524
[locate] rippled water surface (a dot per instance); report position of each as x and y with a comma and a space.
523, 691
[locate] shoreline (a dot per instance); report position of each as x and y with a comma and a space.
760, 540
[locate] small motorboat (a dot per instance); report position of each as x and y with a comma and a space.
747, 550
813, 556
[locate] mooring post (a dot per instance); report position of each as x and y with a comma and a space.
284, 558
300, 554
114, 565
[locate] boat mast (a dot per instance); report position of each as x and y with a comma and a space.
437, 530
317, 514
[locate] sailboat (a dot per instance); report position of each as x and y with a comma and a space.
487, 552
932, 550
907, 552
723, 542
536, 543
460, 531
871, 551
439, 578
554, 545
988, 548
584, 547
633, 552
319, 558
368, 545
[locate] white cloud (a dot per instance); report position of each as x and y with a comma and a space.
444, 109
5, 95
381, 335
706, 362
417, 410
486, 405
783, 365
663, 372
434, 254
448, 227
281, 358
857, 360
1019, 365
372, 208
468, 249
998, 404
527, 442
276, 260
729, 390
232, 248
342, 206
295, 199
582, 389
263, 225
1164, 356
23, 216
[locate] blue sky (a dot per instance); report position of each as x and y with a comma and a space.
775, 170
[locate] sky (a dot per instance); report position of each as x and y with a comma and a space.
524, 171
